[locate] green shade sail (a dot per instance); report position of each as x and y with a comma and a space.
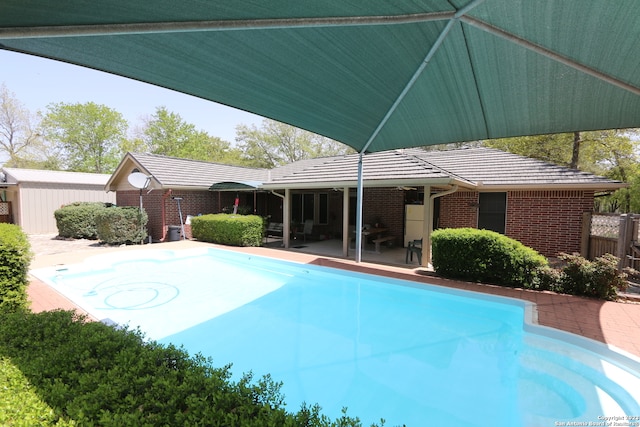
355, 71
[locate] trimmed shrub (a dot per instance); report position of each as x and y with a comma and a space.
484, 256
77, 220
95, 374
599, 278
121, 225
226, 229
19, 402
547, 279
15, 256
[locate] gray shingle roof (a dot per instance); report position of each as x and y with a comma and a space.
468, 167
16, 176
381, 166
488, 167
176, 172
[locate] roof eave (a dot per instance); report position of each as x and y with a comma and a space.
181, 187
365, 183
563, 186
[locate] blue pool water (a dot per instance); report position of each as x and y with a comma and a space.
408, 353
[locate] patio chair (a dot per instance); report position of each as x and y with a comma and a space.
414, 247
307, 230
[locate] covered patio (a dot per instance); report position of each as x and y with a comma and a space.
387, 255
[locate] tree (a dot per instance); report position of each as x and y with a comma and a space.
575, 153
553, 148
276, 144
610, 153
615, 155
18, 134
168, 134
88, 136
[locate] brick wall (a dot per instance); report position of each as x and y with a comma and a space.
385, 205
548, 221
459, 210
192, 203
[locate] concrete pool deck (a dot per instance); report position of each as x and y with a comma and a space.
612, 323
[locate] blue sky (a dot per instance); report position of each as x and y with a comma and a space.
37, 82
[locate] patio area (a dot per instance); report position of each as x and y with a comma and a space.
388, 255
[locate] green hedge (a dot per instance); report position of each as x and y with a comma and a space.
95, 374
484, 256
20, 404
15, 257
228, 229
121, 225
77, 220
599, 278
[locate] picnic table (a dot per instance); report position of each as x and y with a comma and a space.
376, 235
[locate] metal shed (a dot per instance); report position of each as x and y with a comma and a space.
31, 196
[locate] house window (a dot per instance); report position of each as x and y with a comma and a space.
492, 212
314, 206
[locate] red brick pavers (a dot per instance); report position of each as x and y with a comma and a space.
45, 298
613, 323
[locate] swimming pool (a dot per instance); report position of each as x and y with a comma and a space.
384, 348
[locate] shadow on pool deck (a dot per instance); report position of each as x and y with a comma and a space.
614, 323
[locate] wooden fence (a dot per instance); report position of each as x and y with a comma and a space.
613, 234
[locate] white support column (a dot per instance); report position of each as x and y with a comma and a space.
360, 193
426, 246
427, 226
345, 222
286, 218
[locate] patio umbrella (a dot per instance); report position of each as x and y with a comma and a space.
374, 75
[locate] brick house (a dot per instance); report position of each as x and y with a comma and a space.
537, 203
172, 179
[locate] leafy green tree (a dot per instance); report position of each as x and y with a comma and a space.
18, 130
165, 132
615, 154
88, 135
168, 134
553, 148
611, 153
276, 144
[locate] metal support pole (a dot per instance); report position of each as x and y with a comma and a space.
184, 237
360, 193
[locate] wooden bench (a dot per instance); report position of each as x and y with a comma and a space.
380, 240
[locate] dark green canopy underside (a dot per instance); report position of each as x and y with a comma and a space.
505, 68
235, 186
